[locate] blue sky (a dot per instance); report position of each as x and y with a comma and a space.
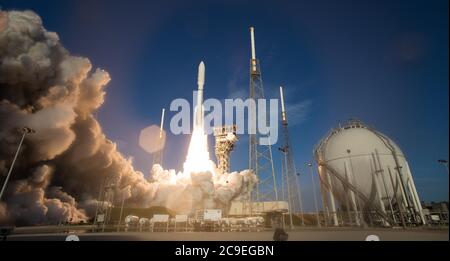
384, 62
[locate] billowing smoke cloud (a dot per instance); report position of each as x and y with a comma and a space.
61, 167
32, 201
184, 192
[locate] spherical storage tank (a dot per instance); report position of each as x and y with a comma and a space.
363, 171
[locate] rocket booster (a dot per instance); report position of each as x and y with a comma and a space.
199, 107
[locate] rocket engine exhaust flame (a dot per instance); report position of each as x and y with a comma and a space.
197, 159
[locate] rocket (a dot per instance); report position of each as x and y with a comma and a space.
199, 112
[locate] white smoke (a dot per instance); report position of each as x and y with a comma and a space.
61, 167
185, 192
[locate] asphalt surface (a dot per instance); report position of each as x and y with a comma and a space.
295, 235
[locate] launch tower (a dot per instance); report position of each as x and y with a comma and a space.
260, 156
225, 140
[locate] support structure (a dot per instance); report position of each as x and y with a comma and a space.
314, 193
407, 186
350, 180
332, 202
225, 140
260, 156
393, 198
292, 186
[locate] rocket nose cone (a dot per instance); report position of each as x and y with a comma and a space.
201, 74
201, 67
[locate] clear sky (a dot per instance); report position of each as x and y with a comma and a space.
384, 62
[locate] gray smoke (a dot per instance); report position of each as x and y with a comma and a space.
32, 201
61, 167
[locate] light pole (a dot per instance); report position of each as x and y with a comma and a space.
445, 163
25, 131
314, 193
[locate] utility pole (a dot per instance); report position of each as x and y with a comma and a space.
25, 131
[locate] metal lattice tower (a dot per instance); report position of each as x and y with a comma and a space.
225, 140
290, 177
260, 156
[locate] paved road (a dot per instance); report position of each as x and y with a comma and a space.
297, 235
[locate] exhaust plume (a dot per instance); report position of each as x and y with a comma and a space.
60, 168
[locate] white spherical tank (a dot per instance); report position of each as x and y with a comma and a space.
366, 171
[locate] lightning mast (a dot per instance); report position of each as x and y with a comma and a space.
260, 156
290, 172
158, 155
